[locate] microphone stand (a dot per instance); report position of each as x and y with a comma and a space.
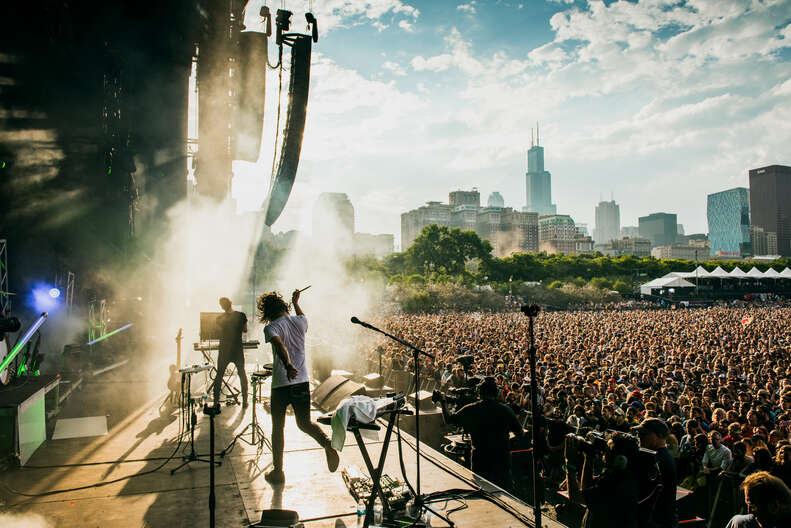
531, 311
416, 352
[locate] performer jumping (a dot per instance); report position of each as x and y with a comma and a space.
232, 324
289, 378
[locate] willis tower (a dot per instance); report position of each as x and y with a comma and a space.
538, 182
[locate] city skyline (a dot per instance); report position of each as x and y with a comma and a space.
410, 99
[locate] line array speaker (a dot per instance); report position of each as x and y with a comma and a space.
294, 129
251, 71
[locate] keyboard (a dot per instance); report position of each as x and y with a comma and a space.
205, 346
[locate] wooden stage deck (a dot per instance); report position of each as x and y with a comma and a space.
140, 438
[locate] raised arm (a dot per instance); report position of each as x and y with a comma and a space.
295, 302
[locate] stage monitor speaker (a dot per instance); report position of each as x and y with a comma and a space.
350, 388
333, 390
294, 130
249, 111
431, 424
423, 400
373, 380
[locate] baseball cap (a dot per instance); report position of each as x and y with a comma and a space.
652, 425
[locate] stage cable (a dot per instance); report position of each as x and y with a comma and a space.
103, 483
477, 491
277, 122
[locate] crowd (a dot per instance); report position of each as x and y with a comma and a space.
719, 377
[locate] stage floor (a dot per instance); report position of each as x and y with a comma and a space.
140, 437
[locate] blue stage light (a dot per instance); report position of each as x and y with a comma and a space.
45, 297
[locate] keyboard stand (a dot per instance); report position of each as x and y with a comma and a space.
376, 473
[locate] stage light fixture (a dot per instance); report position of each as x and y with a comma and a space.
105, 336
10, 324
45, 297
22, 342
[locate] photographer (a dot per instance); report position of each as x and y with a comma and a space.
611, 498
488, 421
652, 433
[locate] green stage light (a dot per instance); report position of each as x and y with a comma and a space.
105, 336
22, 342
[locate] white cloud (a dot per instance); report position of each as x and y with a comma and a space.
394, 67
333, 14
640, 98
406, 26
469, 8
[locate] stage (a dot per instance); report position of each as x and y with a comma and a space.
139, 438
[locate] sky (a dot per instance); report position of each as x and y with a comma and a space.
656, 103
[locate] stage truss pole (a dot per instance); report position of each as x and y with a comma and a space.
5, 298
69, 291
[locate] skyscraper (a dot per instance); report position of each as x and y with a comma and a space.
770, 204
660, 228
728, 214
538, 182
333, 220
557, 234
412, 222
608, 222
495, 200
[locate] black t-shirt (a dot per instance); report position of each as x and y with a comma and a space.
612, 501
665, 514
231, 327
488, 423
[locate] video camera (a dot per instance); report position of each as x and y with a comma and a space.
595, 442
457, 397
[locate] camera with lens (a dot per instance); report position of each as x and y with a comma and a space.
595, 442
457, 397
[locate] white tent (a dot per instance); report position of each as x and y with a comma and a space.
738, 273
786, 273
700, 272
720, 273
755, 273
771, 274
682, 274
665, 282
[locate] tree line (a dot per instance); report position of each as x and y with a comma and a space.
441, 254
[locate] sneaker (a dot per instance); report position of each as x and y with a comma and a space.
332, 459
276, 476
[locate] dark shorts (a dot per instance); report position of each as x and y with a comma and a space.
298, 396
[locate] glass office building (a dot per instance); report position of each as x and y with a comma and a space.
728, 215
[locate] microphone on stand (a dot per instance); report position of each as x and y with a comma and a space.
361, 323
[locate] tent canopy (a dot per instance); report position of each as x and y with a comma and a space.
665, 282
720, 273
771, 273
755, 273
738, 273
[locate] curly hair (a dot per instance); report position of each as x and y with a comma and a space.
270, 306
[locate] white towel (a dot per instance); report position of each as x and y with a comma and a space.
364, 409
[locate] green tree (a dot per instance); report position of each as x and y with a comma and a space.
416, 280
601, 283
621, 286
445, 250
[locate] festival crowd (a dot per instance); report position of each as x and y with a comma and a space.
720, 377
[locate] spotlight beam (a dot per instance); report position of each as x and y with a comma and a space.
22, 342
105, 336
